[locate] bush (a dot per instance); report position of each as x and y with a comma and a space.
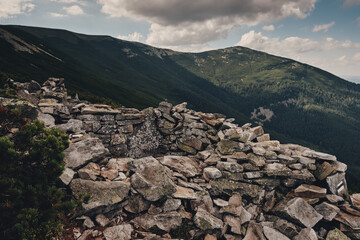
31, 205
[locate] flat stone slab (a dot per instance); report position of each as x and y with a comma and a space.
185, 165
82, 152
102, 194
318, 155
298, 211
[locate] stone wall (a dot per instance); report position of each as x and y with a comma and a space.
170, 172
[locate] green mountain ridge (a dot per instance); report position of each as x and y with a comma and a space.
295, 102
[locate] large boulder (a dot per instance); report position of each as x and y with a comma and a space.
118, 232
102, 194
164, 221
82, 152
205, 221
151, 179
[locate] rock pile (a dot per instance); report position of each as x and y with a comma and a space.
170, 172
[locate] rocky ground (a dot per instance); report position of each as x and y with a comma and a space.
170, 172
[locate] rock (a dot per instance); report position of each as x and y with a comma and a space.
211, 173
210, 237
318, 155
229, 166
120, 164
303, 175
271, 233
193, 142
87, 223
268, 145
286, 227
165, 107
349, 220
220, 203
336, 234
234, 223
171, 204
203, 201
263, 138
258, 161
48, 120
306, 234
205, 221
339, 166
298, 211
151, 179
255, 132
110, 174
310, 191
164, 221
184, 193
102, 194
334, 198
355, 200
226, 147
119, 232
136, 204
235, 200
337, 184
73, 126
327, 210
245, 216
82, 152
185, 165
254, 232
224, 186
253, 175
324, 170
85, 234
67, 176
277, 170
102, 220
270, 201
186, 148
90, 171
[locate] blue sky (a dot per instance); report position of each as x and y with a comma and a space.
323, 33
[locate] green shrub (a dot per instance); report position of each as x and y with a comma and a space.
31, 206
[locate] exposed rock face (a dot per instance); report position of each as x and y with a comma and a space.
170, 172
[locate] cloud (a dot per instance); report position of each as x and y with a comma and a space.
357, 57
349, 3
10, 8
57, 15
80, 2
137, 37
268, 28
323, 27
291, 46
358, 21
74, 10
179, 22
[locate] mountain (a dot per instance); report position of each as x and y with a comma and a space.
295, 102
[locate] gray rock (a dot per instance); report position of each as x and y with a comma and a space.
119, 232
67, 176
102, 220
73, 126
220, 202
212, 173
82, 152
277, 170
285, 227
336, 234
306, 234
234, 223
48, 120
151, 179
229, 166
318, 155
205, 221
298, 211
254, 232
225, 186
185, 165
90, 171
136, 204
164, 221
102, 194
171, 204
337, 184
165, 107
184, 193
273, 234
310, 191
327, 210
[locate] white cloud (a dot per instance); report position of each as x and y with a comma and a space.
57, 15
137, 37
10, 8
307, 50
70, 1
349, 3
74, 10
187, 22
268, 28
323, 27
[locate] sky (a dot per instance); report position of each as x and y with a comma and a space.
322, 33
